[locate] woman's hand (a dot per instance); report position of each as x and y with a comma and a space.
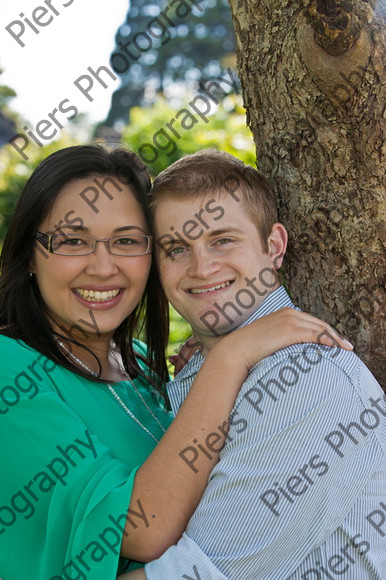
187, 350
265, 336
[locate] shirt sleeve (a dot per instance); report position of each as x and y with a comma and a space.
65, 496
184, 560
293, 466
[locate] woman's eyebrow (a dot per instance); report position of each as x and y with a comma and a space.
125, 228
84, 229
74, 228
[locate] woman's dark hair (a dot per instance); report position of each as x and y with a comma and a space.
22, 310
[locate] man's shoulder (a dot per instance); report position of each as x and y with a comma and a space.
304, 395
305, 356
312, 371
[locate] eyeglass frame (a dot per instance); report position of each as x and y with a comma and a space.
46, 241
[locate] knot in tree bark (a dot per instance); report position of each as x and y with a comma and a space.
336, 27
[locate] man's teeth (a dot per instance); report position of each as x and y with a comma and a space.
96, 295
201, 291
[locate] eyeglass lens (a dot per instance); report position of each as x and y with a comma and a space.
75, 244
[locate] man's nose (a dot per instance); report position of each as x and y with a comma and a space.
203, 263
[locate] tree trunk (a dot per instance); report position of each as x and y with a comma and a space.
313, 82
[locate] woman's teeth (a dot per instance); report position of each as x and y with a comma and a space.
201, 291
96, 295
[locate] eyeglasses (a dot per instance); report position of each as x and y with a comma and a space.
81, 245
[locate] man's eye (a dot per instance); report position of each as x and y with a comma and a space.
176, 251
224, 241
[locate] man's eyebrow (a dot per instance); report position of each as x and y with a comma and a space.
210, 233
172, 242
224, 231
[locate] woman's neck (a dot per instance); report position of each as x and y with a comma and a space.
101, 347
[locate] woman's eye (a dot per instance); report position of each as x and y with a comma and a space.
72, 242
126, 241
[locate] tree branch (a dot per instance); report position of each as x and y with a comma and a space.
336, 27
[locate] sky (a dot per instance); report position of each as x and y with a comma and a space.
43, 72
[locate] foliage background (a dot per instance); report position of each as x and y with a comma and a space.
153, 89
225, 130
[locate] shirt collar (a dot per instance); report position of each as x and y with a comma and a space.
275, 300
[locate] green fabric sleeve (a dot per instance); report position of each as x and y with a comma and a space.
65, 494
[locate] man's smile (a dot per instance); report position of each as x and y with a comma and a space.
205, 290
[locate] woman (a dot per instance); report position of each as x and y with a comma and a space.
92, 467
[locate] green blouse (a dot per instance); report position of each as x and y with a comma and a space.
69, 454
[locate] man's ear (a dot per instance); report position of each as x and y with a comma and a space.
277, 244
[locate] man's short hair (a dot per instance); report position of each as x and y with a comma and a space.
212, 171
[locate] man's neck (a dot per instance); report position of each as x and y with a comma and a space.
205, 343
207, 340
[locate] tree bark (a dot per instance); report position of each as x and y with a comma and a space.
313, 78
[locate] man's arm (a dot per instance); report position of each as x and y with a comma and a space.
288, 476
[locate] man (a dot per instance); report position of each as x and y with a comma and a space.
299, 491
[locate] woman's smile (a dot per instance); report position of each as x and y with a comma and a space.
111, 285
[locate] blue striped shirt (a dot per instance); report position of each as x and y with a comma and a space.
300, 488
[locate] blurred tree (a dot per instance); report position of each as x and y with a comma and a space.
225, 130
14, 173
155, 49
7, 124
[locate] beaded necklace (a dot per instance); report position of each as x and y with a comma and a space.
115, 394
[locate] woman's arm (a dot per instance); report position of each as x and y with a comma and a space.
166, 486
